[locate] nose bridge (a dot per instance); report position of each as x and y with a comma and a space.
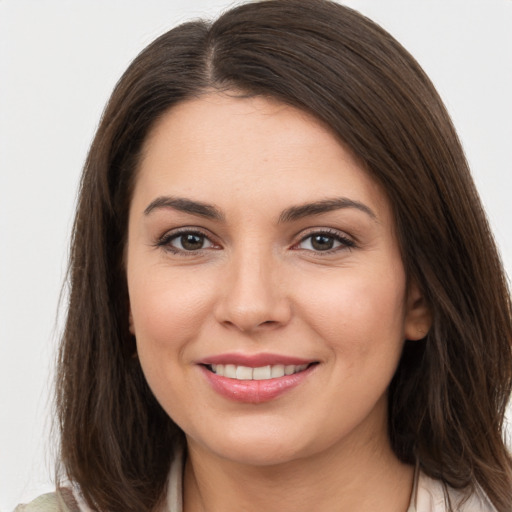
253, 295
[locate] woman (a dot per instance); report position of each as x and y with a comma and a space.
284, 292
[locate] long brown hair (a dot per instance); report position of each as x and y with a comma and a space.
448, 397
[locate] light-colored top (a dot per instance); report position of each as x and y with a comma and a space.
427, 496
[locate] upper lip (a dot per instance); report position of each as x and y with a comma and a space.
254, 360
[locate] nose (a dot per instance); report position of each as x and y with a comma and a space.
253, 296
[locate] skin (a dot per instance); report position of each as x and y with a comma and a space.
257, 285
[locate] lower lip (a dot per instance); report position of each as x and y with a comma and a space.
255, 391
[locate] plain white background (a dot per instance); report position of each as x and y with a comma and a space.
59, 61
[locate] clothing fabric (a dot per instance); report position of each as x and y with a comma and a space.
63, 500
427, 496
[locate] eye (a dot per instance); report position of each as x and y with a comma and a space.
325, 242
190, 242
185, 241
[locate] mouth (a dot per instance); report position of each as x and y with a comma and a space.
275, 371
252, 383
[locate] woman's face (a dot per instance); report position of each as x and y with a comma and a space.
267, 292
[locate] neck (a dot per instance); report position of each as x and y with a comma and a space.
350, 476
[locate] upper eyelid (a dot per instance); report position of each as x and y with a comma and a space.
347, 241
324, 230
186, 229
299, 237
164, 240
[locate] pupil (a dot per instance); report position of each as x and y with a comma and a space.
322, 242
192, 242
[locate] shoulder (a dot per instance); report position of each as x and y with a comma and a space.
70, 499
60, 501
431, 496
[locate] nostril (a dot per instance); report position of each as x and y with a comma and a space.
248, 315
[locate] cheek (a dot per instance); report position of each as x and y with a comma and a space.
167, 316
358, 313
167, 310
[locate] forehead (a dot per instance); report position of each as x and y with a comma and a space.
205, 121
222, 147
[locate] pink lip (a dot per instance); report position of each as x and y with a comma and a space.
254, 360
255, 391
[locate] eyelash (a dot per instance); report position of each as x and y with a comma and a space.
164, 241
345, 242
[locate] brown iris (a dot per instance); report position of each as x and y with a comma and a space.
322, 242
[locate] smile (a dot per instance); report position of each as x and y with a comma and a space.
267, 372
256, 379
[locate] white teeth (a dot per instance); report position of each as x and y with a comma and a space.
289, 369
277, 371
243, 373
260, 373
230, 371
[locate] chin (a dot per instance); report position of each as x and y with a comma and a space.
261, 454
260, 444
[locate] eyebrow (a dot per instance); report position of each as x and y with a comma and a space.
326, 205
289, 215
185, 205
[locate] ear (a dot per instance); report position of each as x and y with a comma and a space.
418, 316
